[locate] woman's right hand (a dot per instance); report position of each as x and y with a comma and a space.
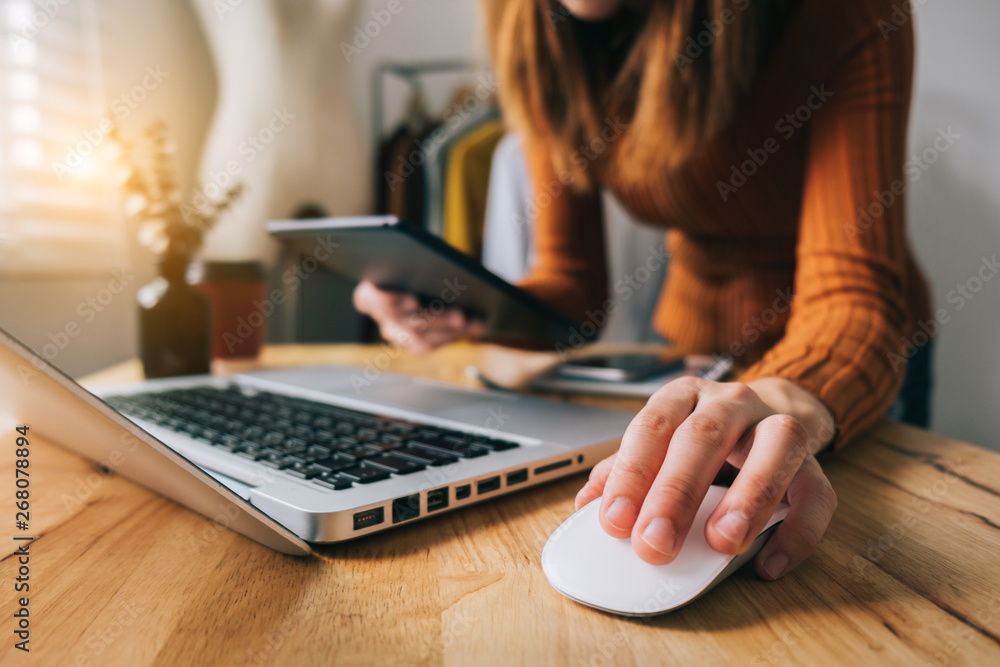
403, 321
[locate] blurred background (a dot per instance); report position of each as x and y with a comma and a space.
316, 105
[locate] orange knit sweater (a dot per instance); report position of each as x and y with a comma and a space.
786, 238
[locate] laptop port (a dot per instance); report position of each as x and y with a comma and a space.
463, 492
553, 466
488, 485
517, 477
405, 508
368, 518
437, 499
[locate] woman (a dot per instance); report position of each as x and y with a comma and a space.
766, 136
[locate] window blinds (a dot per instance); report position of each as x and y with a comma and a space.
58, 212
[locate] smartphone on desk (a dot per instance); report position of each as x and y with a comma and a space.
628, 367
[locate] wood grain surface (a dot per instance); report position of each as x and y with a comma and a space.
906, 575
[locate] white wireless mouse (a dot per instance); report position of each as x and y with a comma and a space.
586, 564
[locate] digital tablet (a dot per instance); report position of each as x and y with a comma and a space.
397, 255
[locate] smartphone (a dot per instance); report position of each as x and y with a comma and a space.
619, 367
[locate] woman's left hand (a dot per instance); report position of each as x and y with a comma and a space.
675, 446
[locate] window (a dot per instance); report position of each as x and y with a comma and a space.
58, 207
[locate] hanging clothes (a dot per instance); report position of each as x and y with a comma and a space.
508, 250
400, 179
436, 159
467, 180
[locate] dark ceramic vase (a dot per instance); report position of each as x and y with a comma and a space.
174, 323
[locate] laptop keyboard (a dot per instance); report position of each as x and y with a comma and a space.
330, 446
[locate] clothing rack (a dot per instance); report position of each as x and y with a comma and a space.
412, 74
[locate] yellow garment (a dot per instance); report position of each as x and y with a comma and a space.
467, 179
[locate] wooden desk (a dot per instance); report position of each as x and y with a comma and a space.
906, 575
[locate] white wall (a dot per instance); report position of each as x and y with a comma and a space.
423, 30
955, 207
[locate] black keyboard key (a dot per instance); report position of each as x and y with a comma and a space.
397, 464
207, 435
322, 437
365, 474
272, 439
284, 426
295, 445
359, 452
333, 482
366, 435
425, 455
474, 451
304, 432
229, 443
276, 462
465, 450
494, 444
322, 451
254, 433
272, 452
385, 446
305, 471
323, 469
335, 463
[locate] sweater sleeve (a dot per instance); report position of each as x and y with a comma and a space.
569, 270
843, 339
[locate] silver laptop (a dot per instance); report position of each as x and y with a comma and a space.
291, 457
